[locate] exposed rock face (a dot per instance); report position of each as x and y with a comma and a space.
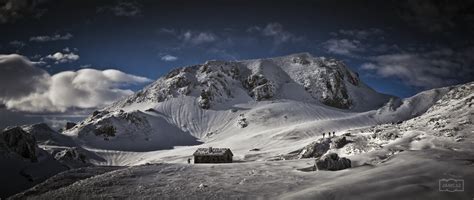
69, 125
385, 135
70, 154
328, 84
259, 87
20, 142
332, 162
242, 121
339, 142
106, 131
40, 131
318, 148
204, 99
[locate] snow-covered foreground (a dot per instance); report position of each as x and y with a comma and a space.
408, 175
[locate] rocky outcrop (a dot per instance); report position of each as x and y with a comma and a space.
319, 147
20, 142
40, 131
316, 149
106, 131
204, 99
259, 87
242, 121
385, 135
339, 142
69, 125
332, 162
70, 154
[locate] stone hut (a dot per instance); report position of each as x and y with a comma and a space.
213, 155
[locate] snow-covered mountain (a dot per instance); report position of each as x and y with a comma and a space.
194, 104
301, 77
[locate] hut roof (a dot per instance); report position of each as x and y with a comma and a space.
212, 151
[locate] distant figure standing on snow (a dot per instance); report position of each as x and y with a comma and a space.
333, 133
324, 134
189, 160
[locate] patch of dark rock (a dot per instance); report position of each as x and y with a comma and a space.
332, 162
20, 142
69, 125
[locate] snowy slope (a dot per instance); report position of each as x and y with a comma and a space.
206, 102
277, 105
407, 162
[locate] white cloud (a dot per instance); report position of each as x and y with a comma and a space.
343, 46
169, 58
198, 38
55, 37
19, 78
59, 57
38, 91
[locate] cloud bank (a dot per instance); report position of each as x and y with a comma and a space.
31, 89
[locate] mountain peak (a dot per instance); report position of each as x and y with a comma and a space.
299, 77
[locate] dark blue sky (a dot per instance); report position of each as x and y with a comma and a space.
398, 47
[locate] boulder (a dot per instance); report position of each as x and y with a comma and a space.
20, 142
332, 162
